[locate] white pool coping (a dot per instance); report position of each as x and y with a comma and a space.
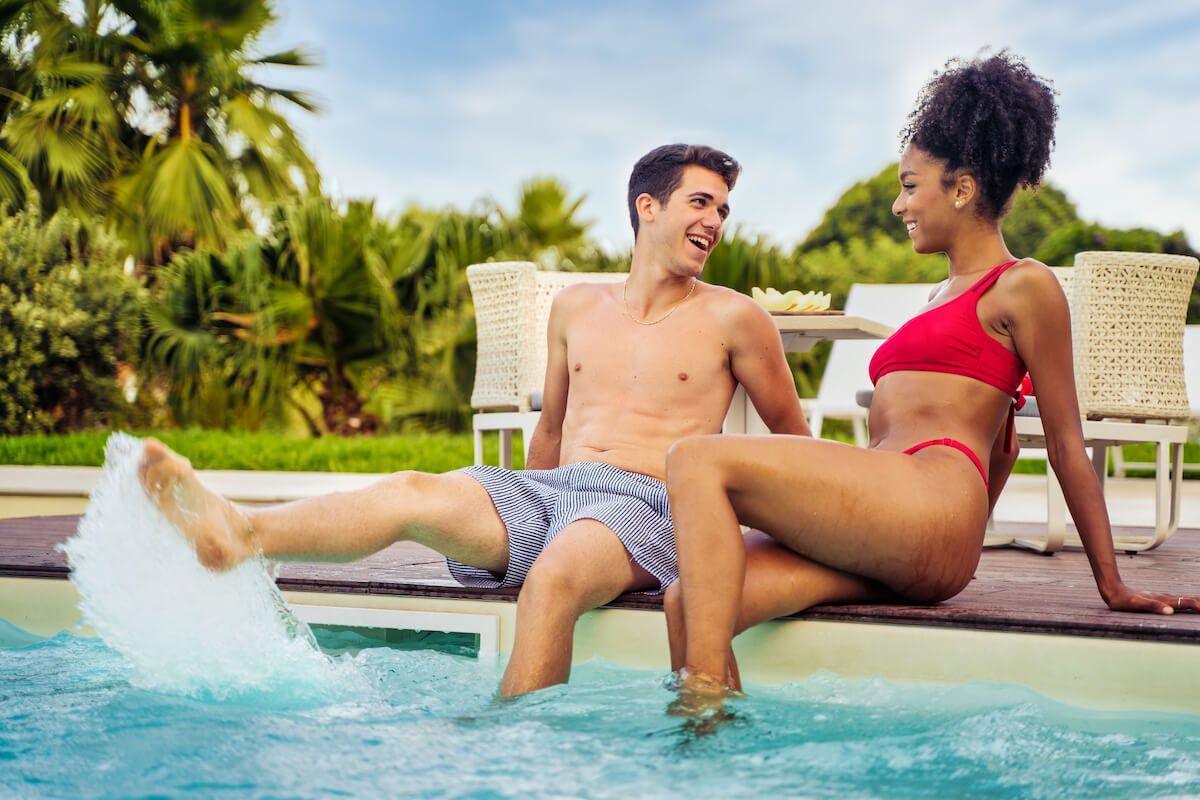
242, 485
1130, 500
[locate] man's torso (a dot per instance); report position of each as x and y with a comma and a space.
637, 389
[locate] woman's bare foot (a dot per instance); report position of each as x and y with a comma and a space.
700, 694
222, 535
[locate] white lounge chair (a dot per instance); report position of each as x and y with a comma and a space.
1127, 331
846, 372
512, 309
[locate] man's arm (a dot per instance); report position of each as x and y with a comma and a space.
758, 364
542, 452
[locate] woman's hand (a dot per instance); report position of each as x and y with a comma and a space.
1123, 598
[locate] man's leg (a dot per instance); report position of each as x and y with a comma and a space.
583, 567
451, 513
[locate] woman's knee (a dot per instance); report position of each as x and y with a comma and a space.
693, 455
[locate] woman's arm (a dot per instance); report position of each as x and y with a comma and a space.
1040, 324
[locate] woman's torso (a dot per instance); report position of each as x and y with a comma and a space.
950, 372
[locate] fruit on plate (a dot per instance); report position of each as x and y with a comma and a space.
794, 300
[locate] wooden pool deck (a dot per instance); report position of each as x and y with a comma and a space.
1013, 590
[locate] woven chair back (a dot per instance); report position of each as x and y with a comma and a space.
512, 311
1127, 317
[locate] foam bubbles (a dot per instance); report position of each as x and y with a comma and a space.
181, 627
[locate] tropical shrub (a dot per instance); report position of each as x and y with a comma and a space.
70, 325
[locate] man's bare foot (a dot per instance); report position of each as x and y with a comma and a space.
222, 535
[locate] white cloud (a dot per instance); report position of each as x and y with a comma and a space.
808, 96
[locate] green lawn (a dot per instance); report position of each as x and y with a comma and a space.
435, 452
1133, 453
266, 451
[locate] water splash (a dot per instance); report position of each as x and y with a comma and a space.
181, 627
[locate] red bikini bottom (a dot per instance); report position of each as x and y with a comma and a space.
957, 445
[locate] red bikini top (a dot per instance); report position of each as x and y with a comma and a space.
950, 339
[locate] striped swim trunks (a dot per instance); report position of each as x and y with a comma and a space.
536, 504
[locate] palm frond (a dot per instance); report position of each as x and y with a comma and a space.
15, 186
182, 192
295, 57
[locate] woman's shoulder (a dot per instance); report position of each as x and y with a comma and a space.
1030, 284
1029, 273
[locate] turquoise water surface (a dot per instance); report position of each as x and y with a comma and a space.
205, 685
401, 722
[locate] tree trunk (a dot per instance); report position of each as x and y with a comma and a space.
342, 409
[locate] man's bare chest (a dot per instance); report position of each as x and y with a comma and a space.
679, 360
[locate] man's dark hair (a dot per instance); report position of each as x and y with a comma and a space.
992, 117
659, 172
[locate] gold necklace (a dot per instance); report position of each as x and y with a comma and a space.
625, 300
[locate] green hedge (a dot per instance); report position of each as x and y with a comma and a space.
70, 323
266, 451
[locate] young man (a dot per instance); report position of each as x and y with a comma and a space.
632, 368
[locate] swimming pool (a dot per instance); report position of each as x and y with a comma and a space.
403, 722
206, 684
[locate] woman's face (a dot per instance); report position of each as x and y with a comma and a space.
925, 205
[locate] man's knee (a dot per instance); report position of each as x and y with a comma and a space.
554, 586
414, 485
673, 601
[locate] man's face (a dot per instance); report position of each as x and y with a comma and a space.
687, 227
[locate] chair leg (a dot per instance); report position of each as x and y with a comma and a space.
1100, 462
1168, 479
817, 423
1118, 462
1056, 519
1176, 483
506, 448
478, 446
992, 538
860, 431
527, 436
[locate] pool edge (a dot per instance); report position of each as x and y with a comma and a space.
1091, 672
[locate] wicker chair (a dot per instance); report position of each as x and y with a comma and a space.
1127, 324
512, 308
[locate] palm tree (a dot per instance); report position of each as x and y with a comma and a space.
148, 109
58, 109
545, 228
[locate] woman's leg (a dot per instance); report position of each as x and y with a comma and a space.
677, 638
909, 523
778, 582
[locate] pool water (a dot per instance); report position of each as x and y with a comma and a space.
396, 722
204, 685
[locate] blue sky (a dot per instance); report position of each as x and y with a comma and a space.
443, 103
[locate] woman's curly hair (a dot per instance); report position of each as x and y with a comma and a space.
992, 117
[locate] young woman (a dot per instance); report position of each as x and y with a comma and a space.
904, 519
